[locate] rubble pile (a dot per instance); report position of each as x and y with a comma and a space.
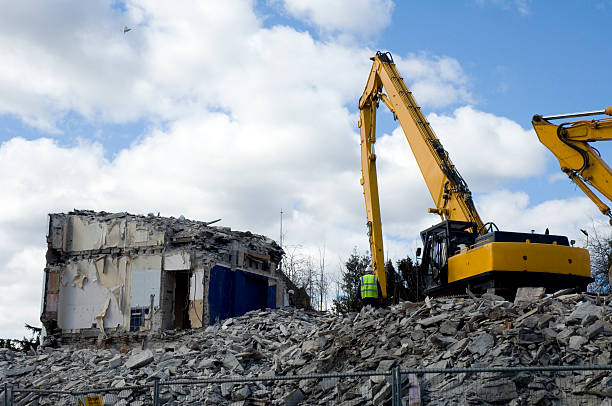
488, 331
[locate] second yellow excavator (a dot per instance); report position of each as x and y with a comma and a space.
570, 143
460, 252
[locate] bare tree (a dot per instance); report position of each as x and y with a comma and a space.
322, 282
599, 244
309, 272
294, 264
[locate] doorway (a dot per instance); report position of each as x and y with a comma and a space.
181, 300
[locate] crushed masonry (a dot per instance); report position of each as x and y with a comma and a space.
562, 329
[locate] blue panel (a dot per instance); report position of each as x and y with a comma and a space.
271, 297
220, 297
250, 292
233, 293
240, 299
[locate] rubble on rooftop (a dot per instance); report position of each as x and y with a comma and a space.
119, 272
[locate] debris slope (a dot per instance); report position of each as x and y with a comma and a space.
562, 329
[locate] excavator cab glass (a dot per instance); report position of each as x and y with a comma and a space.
439, 243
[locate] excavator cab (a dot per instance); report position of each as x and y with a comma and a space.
439, 243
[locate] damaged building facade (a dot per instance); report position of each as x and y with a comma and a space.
118, 272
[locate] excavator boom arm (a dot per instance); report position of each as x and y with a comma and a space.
450, 193
569, 142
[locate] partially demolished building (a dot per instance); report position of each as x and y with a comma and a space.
118, 272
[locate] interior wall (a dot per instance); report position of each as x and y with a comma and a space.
90, 296
196, 298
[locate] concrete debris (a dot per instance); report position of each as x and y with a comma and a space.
140, 359
481, 344
569, 329
528, 294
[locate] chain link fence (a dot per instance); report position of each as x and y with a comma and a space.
515, 386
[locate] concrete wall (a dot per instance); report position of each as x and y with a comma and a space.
89, 297
80, 233
101, 292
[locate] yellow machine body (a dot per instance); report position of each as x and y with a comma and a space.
519, 257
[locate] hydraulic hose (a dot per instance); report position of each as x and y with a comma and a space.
583, 153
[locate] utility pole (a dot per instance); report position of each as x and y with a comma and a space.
280, 265
281, 228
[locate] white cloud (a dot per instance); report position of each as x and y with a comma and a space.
358, 17
435, 81
75, 58
21, 285
512, 211
557, 177
488, 149
521, 6
179, 60
62, 56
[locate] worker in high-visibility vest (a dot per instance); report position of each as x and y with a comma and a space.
369, 288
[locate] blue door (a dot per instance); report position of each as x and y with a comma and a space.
219, 301
233, 293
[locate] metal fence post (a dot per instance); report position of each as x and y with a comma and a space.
9, 400
156, 391
399, 386
396, 387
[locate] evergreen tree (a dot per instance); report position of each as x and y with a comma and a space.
354, 267
413, 285
403, 283
395, 284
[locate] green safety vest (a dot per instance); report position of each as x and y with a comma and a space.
369, 286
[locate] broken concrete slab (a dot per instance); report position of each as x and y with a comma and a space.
433, 320
294, 398
576, 342
496, 392
584, 310
481, 344
528, 295
231, 362
139, 359
15, 372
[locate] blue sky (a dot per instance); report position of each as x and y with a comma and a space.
549, 58
239, 108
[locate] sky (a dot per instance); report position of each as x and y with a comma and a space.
238, 109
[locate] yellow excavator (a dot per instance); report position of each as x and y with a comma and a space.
460, 252
569, 142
